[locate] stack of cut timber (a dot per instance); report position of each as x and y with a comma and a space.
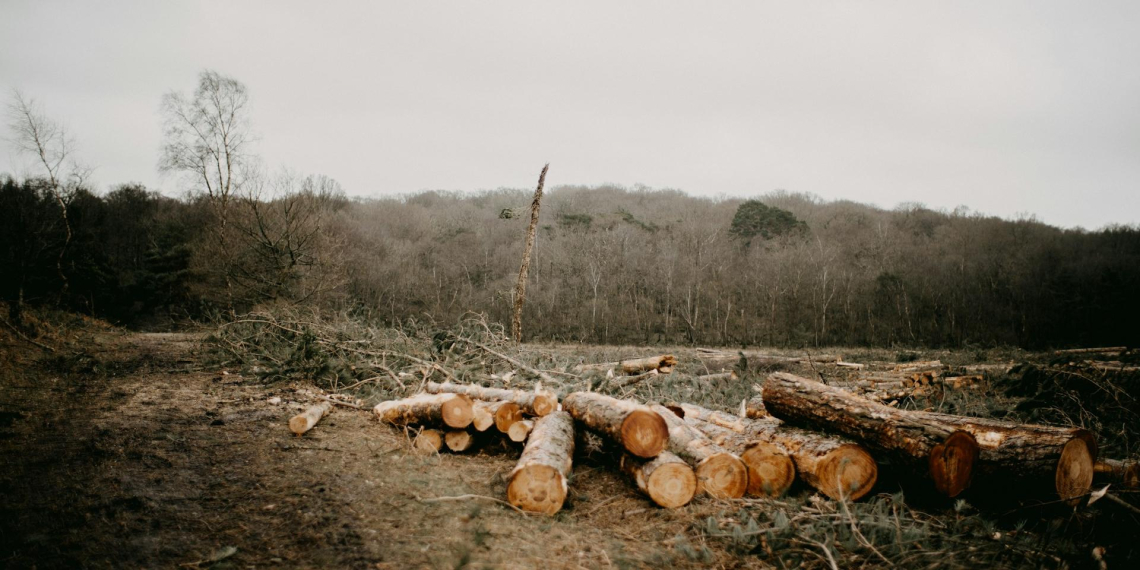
720, 473
533, 403
836, 467
950, 449
451, 411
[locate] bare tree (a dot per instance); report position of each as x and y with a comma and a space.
33, 132
207, 139
520, 287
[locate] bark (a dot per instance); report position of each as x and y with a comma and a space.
666, 479
452, 410
459, 440
305, 421
520, 287
538, 481
638, 429
944, 452
663, 364
533, 403
1063, 456
720, 473
837, 467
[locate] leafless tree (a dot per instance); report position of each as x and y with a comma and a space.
520, 287
207, 140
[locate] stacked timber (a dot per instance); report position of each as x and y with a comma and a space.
533, 403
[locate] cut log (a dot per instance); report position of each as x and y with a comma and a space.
837, 467
505, 415
428, 441
305, 421
538, 481
1091, 350
459, 440
717, 376
519, 430
640, 430
533, 403
942, 451
482, 418
852, 365
720, 473
663, 364
452, 410
1031, 453
1121, 473
666, 479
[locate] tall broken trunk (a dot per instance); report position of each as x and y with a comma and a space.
666, 479
520, 287
533, 403
452, 410
837, 467
720, 473
942, 451
538, 481
640, 430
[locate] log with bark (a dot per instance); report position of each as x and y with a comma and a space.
1039, 455
754, 407
428, 441
533, 403
717, 376
538, 482
666, 479
837, 467
640, 430
303, 422
459, 440
944, 452
482, 416
519, 430
1091, 350
720, 473
663, 364
1121, 473
452, 410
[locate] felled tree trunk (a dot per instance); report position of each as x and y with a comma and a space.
459, 440
666, 479
505, 414
720, 473
662, 364
1121, 473
538, 481
428, 441
942, 451
305, 421
519, 430
1037, 454
836, 467
452, 410
640, 430
533, 403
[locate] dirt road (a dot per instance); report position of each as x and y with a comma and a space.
124, 451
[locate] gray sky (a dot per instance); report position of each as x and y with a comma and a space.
1005, 107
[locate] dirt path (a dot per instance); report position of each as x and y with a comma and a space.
127, 454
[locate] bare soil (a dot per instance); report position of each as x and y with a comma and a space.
122, 451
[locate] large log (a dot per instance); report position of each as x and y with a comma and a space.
663, 364
720, 473
520, 430
640, 430
452, 410
538, 481
303, 422
666, 479
1061, 456
533, 403
942, 451
837, 467
505, 414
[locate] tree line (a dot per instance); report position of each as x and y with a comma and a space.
610, 264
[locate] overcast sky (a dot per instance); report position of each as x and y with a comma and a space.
1004, 107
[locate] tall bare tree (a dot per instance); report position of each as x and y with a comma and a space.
207, 140
520, 287
33, 132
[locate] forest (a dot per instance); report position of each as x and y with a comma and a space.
611, 264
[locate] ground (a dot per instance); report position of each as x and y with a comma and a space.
126, 449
